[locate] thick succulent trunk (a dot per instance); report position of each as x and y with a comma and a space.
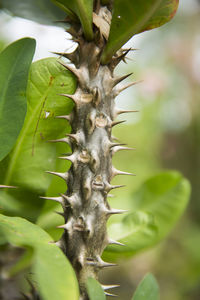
85, 205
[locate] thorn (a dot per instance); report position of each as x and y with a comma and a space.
99, 263
103, 264
116, 172
120, 111
71, 69
62, 140
62, 175
8, 187
72, 97
59, 244
113, 242
70, 56
117, 122
130, 49
57, 199
114, 211
111, 295
110, 187
74, 137
116, 144
116, 149
70, 199
119, 79
108, 287
66, 117
64, 226
60, 213
70, 158
120, 89
119, 58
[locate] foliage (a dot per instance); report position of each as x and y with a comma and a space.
156, 206
147, 289
15, 62
56, 280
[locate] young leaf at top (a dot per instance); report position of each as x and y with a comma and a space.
134, 16
148, 289
32, 155
156, 206
95, 290
83, 9
54, 274
41, 11
15, 62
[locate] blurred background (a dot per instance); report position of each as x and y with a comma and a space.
165, 132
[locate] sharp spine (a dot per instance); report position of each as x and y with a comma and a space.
113, 242
75, 71
74, 137
121, 111
114, 211
116, 145
71, 56
117, 123
116, 149
8, 187
57, 199
111, 295
61, 175
99, 263
119, 79
116, 172
60, 213
110, 187
65, 117
64, 226
62, 140
70, 158
108, 287
72, 97
126, 86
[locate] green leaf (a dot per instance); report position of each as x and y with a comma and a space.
156, 206
83, 9
136, 230
148, 289
132, 17
15, 63
33, 155
95, 290
41, 11
54, 274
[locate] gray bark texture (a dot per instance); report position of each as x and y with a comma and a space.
85, 206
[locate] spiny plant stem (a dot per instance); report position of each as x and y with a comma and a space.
85, 205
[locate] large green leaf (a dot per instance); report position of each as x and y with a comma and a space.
156, 206
134, 16
83, 9
54, 274
15, 62
33, 155
95, 290
41, 11
148, 289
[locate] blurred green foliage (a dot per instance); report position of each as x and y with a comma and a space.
166, 134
